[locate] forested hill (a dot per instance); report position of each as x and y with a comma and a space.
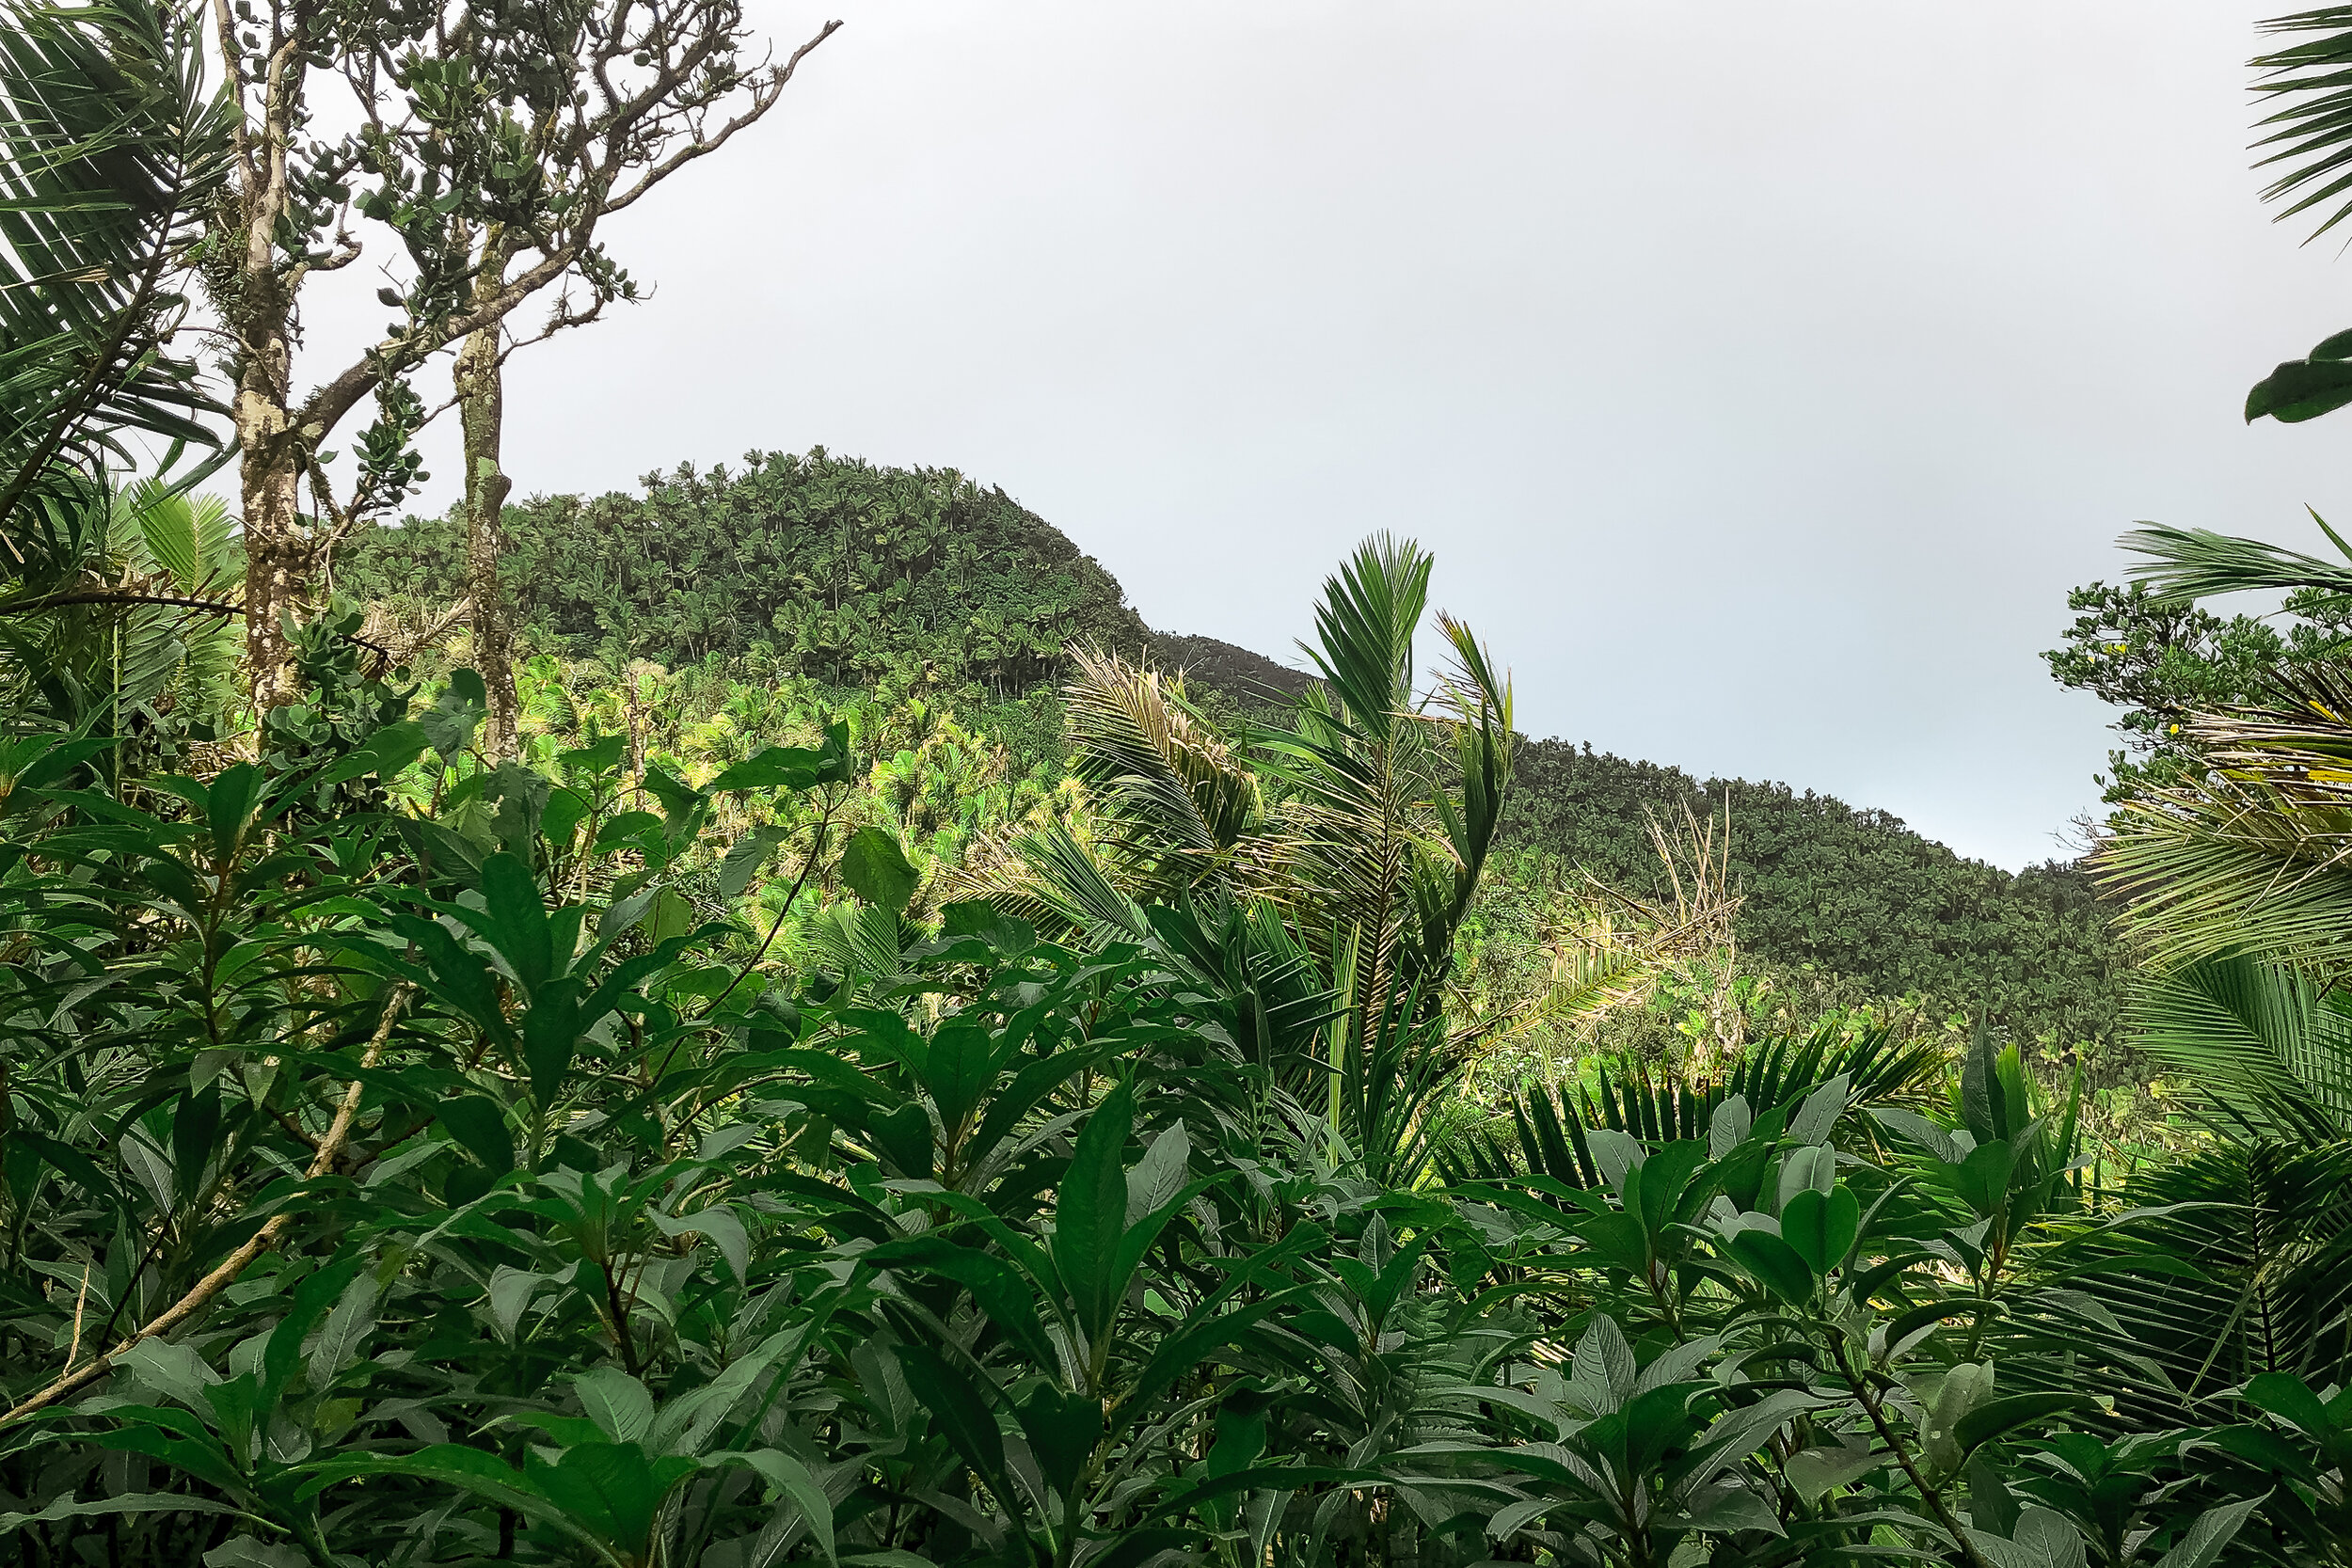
851, 572
1851, 890
854, 575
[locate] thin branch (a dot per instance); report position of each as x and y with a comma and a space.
263, 1241
117, 595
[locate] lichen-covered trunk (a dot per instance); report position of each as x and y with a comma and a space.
481, 403
282, 553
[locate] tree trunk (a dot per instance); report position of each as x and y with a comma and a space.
481, 403
281, 551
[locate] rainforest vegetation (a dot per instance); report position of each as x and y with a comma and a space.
771, 1019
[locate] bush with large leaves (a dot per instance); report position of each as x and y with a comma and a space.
428, 1188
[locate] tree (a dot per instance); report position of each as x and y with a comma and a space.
2161, 660
490, 141
690, 91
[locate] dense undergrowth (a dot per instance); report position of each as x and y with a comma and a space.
418, 1159
866, 1064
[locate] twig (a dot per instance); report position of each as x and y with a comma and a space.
75, 1380
1859, 1383
119, 595
73, 1350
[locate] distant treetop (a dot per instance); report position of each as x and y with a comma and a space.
849, 572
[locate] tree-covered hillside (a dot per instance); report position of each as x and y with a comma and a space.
1850, 891
853, 575
852, 572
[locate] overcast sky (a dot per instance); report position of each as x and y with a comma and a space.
1762, 373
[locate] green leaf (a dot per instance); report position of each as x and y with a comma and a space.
1981, 1181
793, 1479
1815, 1471
517, 924
617, 1403
877, 870
907, 1137
777, 766
1821, 1228
996, 1287
479, 1126
1999, 1417
611, 1491
963, 1414
958, 1070
449, 725
69, 1506
2301, 390
345, 1329
744, 858
2043, 1539
1663, 1176
1062, 1430
1774, 1263
1090, 1211
2215, 1529
2289, 1399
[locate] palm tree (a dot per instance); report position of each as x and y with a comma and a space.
1335, 855
2239, 883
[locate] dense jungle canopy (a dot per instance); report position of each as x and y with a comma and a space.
773, 1022
851, 575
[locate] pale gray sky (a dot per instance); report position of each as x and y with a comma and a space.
1762, 373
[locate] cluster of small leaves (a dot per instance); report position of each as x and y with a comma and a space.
2162, 661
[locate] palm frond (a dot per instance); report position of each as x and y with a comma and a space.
111, 146
2311, 127
1880, 1071
1364, 626
2224, 1265
2265, 1050
2257, 855
2190, 563
1166, 784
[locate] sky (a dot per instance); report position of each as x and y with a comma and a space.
1762, 376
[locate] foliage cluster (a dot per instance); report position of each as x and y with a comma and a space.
408, 1184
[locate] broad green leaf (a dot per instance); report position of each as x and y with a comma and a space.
617, 1403
613, 1492
790, 1477
2043, 1539
963, 1414
2289, 1399
1090, 1211
1999, 1417
1821, 1228
1815, 1471
344, 1331
2215, 1529
877, 870
1774, 1264
1062, 1430
773, 768
69, 1506
745, 856
2300, 389
479, 1126
517, 923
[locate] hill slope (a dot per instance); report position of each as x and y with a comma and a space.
1847, 890
853, 575
848, 572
